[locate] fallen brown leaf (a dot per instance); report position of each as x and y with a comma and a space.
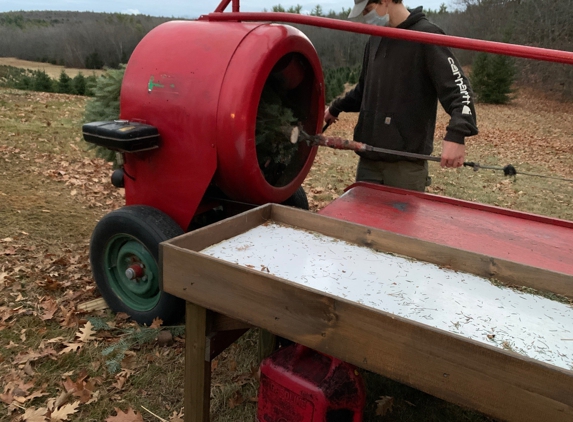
7, 397
121, 378
86, 333
79, 388
156, 323
129, 416
177, 416
384, 405
62, 413
236, 400
34, 415
62, 399
70, 347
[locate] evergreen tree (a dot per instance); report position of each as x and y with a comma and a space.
14, 77
105, 104
24, 82
503, 75
91, 82
295, 9
317, 11
274, 122
334, 80
339, 85
64, 83
353, 78
480, 73
79, 84
42, 82
492, 77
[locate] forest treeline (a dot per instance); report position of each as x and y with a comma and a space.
94, 40
73, 39
538, 23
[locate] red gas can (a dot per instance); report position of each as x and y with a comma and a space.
299, 384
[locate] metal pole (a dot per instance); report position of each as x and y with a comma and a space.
522, 51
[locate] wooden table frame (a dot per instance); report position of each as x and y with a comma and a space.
206, 335
497, 382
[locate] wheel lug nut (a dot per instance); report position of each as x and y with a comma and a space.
134, 272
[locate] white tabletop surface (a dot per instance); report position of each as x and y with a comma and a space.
452, 301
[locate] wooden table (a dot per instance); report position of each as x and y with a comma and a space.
222, 296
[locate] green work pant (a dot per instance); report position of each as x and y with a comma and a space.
401, 174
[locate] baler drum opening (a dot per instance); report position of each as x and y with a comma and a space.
286, 101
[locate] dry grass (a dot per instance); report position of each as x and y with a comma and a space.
52, 70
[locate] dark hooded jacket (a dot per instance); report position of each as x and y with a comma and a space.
398, 90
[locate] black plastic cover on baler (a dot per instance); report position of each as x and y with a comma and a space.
122, 135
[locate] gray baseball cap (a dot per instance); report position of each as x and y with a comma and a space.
358, 8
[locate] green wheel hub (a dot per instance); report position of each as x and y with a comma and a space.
138, 289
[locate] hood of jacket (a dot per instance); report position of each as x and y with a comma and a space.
415, 16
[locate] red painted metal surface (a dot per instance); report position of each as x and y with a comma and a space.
527, 52
199, 83
529, 239
299, 384
238, 172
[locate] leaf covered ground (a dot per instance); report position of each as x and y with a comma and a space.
58, 362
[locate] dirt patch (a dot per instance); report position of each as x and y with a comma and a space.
52, 70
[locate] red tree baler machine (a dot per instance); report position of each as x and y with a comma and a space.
186, 139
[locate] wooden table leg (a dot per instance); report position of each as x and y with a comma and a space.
197, 364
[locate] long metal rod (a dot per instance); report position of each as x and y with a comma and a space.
536, 53
336, 142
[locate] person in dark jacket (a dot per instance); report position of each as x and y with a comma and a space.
397, 95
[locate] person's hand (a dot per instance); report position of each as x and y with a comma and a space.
453, 154
329, 118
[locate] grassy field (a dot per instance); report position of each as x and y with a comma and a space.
57, 360
52, 70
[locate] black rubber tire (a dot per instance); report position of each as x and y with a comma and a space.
149, 227
298, 200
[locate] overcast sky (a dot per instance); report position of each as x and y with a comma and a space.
183, 8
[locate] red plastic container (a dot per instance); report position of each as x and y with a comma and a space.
299, 384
